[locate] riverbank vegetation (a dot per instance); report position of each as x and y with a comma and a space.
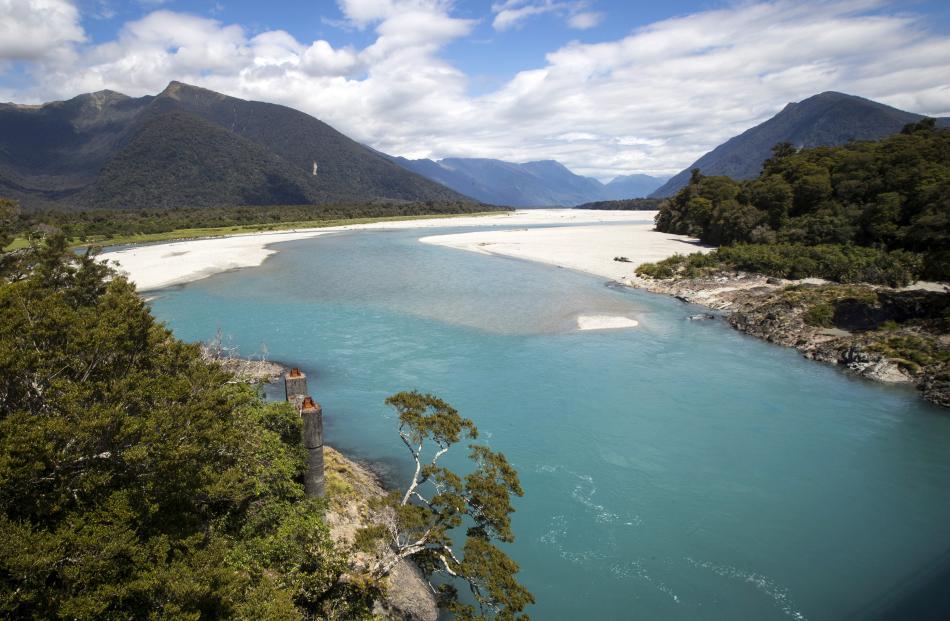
841, 213
628, 204
840, 263
139, 480
865, 216
125, 226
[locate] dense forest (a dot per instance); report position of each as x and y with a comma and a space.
137, 479
108, 223
867, 211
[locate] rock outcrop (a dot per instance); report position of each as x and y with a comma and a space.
351, 490
884, 335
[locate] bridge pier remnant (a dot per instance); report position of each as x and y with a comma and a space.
295, 389
312, 415
295, 385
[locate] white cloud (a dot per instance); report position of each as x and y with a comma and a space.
34, 29
513, 13
365, 12
652, 101
585, 20
322, 60
684, 85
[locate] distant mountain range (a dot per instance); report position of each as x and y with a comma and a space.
829, 119
533, 184
189, 147
192, 147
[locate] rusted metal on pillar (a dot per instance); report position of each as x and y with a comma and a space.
312, 415
295, 385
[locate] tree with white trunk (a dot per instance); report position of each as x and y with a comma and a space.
438, 505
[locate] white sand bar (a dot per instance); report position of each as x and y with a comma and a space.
605, 322
161, 265
590, 249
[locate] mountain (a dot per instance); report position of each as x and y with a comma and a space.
532, 184
632, 186
825, 120
189, 147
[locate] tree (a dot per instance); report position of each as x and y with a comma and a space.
780, 151
890, 195
437, 502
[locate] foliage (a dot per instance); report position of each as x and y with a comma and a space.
820, 315
9, 211
627, 204
439, 502
890, 195
136, 481
914, 351
839, 263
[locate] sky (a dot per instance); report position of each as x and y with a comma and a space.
607, 87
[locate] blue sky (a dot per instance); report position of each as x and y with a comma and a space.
607, 87
489, 56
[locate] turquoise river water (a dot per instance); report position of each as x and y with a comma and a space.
679, 470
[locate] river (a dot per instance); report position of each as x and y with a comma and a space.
677, 470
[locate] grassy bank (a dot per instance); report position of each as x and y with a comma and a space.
223, 231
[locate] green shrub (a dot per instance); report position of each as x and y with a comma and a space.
667, 268
820, 315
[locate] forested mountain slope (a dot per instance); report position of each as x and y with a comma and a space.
189, 147
825, 120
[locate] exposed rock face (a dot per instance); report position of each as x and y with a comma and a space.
880, 334
409, 597
351, 489
721, 292
871, 366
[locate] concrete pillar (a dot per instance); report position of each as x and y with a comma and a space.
295, 385
312, 415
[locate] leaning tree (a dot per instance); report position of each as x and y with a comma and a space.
438, 505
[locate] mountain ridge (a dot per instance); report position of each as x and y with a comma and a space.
106, 149
539, 183
823, 120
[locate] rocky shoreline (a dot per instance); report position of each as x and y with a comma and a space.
881, 334
351, 491
249, 370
